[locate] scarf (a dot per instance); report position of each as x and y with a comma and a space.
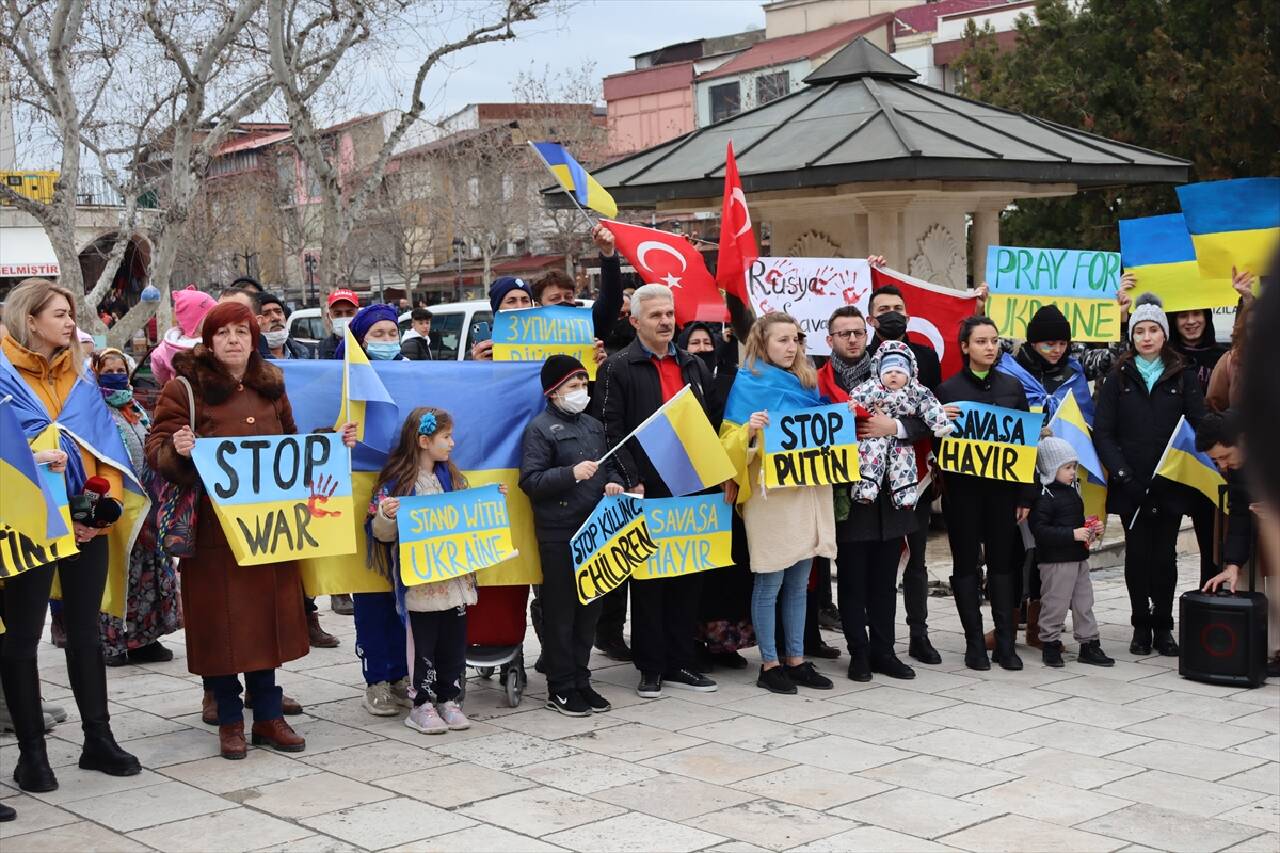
851, 374
1150, 371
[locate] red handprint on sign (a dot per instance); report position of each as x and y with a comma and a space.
321, 492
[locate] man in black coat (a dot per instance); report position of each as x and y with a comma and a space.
275, 342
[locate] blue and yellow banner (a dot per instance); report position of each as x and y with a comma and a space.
1069, 424
1182, 463
532, 334
992, 442
811, 447
491, 402
761, 387
453, 534
26, 502
693, 534
280, 497
681, 444
1233, 224
610, 545
575, 180
366, 402
1159, 253
1083, 284
20, 552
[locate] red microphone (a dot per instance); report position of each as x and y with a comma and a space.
96, 488
94, 506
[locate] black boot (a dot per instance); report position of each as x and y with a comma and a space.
1004, 617
88, 677
968, 605
21, 680
1164, 643
922, 650
1141, 642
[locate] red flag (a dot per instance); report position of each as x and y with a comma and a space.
935, 311
737, 242
669, 259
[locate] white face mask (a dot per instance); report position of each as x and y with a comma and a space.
275, 340
574, 401
340, 325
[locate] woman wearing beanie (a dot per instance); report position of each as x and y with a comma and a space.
1139, 407
189, 307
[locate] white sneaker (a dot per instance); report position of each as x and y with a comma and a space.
424, 718
379, 701
453, 717
400, 693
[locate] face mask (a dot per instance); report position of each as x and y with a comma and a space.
113, 381
382, 350
575, 401
340, 325
119, 398
275, 340
892, 325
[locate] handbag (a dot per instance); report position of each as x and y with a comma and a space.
176, 518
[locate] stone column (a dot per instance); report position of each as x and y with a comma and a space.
986, 233
884, 228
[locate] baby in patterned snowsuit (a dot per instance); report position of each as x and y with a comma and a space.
893, 390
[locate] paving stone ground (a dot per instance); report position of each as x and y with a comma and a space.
1075, 759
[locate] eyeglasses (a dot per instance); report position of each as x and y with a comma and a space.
849, 333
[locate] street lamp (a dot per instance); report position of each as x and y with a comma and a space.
309, 261
458, 245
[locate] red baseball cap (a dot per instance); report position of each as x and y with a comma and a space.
344, 295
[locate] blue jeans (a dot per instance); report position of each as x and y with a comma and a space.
267, 697
791, 583
380, 641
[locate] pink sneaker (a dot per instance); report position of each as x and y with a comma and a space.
423, 718
453, 717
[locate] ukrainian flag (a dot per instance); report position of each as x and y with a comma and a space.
365, 401
1182, 463
575, 179
761, 387
1068, 423
1158, 250
1233, 223
26, 502
681, 444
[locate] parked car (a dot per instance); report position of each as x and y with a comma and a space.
307, 327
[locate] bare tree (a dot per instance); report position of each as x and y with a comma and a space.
408, 214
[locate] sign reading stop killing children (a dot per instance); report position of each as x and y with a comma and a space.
693, 534
1083, 284
611, 544
280, 497
452, 534
810, 447
808, 289
532, 334
992, 442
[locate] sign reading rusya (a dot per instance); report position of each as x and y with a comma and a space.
693, 534
810, 447
1083, 284
532, 334
808, 289
992, 442
611, 544
280, 497
452, 534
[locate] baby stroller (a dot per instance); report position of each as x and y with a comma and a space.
495, 638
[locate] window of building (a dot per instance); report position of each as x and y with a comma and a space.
725, 101
770, 87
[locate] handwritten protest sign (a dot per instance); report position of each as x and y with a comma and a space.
19, 552
808, 289
280, 497
452, 534
992, 442
610, 545
1083, 284
693, 534
533, 334
810, 447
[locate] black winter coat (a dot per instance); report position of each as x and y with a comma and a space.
554, 442
882, 521
628, 391
1055, 516
1132, 427
996, 389
292, 349
416, 349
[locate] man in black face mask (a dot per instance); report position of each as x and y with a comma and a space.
887, 315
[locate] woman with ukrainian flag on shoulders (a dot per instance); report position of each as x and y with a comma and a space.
776, 376
68, 426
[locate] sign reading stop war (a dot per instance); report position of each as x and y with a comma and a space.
992, 442
280, 497
693, 534
532, 334
810, 447
452, 534
611, 544
1083, 284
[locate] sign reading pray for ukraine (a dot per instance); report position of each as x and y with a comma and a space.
808, 289
693, 534
610, 545
1083, 284
532, 334
810, 447
452, 534
992, 442
280, 497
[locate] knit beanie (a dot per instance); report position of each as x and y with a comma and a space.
504, 285
189, 307
895, 361
1148, 308
1052, 454
558, 369
1048, 324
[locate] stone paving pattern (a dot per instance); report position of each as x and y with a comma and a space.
1076, 759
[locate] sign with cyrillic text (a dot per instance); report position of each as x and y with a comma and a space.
693, 534
452, 534
992, 442
532, 334
610, 545
810, 447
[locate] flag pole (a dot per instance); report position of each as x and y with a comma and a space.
591, 223
644, 423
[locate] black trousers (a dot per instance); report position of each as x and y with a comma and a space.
866, 583
1202, 517
25, 600
915, 577
981, 518
439, 654
664, 618
568, 626
613, 615
1151, 568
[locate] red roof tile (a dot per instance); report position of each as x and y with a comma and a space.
784, 49
647, 81
924, 18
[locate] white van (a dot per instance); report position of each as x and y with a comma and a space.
307, 327
458, 326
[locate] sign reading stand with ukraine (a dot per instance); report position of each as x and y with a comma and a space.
811, 447
280, 497
693, 534
532, 334
453, 534
610, 545
992, 442
1083, 284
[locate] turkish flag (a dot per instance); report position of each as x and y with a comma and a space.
737, 243
669, 259
935, 311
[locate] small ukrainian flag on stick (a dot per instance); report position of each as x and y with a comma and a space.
575, 180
